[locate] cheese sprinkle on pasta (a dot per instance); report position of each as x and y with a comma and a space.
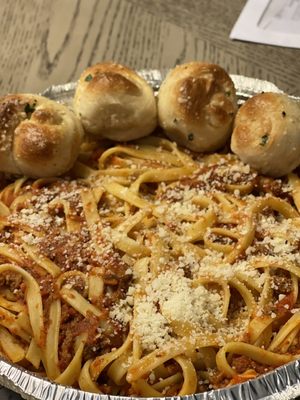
151, 271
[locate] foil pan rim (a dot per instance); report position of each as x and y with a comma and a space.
245, 86
280, 384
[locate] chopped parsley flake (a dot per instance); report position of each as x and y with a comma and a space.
88, 78
264, 140
29, 109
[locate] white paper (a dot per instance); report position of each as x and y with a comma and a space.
275, 22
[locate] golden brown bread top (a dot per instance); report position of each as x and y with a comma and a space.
110, 77
39, 137
196, 105
114, 102
12, 111
267, 133
37, 143
256, 117
207, 90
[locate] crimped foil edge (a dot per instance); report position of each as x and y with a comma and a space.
245, 87
281, 384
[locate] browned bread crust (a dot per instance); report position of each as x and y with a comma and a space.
196, 106
39, 137
114, 102
267, 133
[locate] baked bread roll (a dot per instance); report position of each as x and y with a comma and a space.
114, 102
38, 137
196, 106
266, 134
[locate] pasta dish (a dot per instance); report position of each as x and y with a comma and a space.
150, 271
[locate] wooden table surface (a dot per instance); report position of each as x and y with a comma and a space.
46, 42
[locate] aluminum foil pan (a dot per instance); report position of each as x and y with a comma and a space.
245, 87
281, 384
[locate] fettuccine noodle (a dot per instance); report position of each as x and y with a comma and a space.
150, 272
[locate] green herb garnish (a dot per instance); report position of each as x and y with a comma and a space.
88, 78
29, 109
191, 136
264, 139
228, 93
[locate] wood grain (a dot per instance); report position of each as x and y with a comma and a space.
47, 42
